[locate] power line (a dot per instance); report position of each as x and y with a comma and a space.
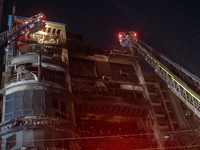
115, 136
110, 136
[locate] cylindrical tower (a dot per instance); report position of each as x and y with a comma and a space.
38, 109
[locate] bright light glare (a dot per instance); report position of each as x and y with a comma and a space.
43, 33
135, 34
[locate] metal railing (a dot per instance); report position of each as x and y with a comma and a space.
33, 75
127, 95
55, 53
22, 77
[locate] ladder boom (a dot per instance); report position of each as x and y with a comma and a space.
36, 22
182, 83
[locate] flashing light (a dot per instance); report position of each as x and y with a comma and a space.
135, 34
120, 35
26, 22
41, 16
43, 21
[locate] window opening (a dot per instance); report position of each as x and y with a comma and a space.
55, 103
58, 31
49, 30
44, 30
62, 107
54, 31
124, 74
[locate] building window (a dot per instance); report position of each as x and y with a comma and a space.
58, 31
57, 114
60, 108
54, 31
124, 73
44, 30
11, 142
49, 30
55, 76
139, 95
38, 36
55, 103
63, 116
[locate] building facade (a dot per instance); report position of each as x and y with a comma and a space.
38, 104
59, 93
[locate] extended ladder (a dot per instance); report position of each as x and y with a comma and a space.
37, 21
182, 83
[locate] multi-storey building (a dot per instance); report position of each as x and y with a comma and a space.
115, 99
38, 107
59, 93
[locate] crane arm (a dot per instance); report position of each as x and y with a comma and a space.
180, 82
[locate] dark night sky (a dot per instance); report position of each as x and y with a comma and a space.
171, 27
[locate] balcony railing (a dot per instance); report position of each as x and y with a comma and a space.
33, 75
53, 51
22, 77
128, 96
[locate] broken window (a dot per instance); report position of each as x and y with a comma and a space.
83, 68
124, 73
38, 36
44, 30
55, 76
60, 108
49, 30
54, 31
55, 103
57, 114
139, 95
11, 142
58, 31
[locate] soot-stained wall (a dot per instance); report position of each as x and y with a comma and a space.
37, 102
24, 103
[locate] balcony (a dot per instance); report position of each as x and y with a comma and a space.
29, 54
22, 77
33, 75
110, 101
99, 91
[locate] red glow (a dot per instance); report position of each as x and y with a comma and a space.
26, 22
135, 34
41, 16
120, 35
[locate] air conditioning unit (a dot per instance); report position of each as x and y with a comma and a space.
106, 78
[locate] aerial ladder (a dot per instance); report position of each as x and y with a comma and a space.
23, 25
32, 24
182, 83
